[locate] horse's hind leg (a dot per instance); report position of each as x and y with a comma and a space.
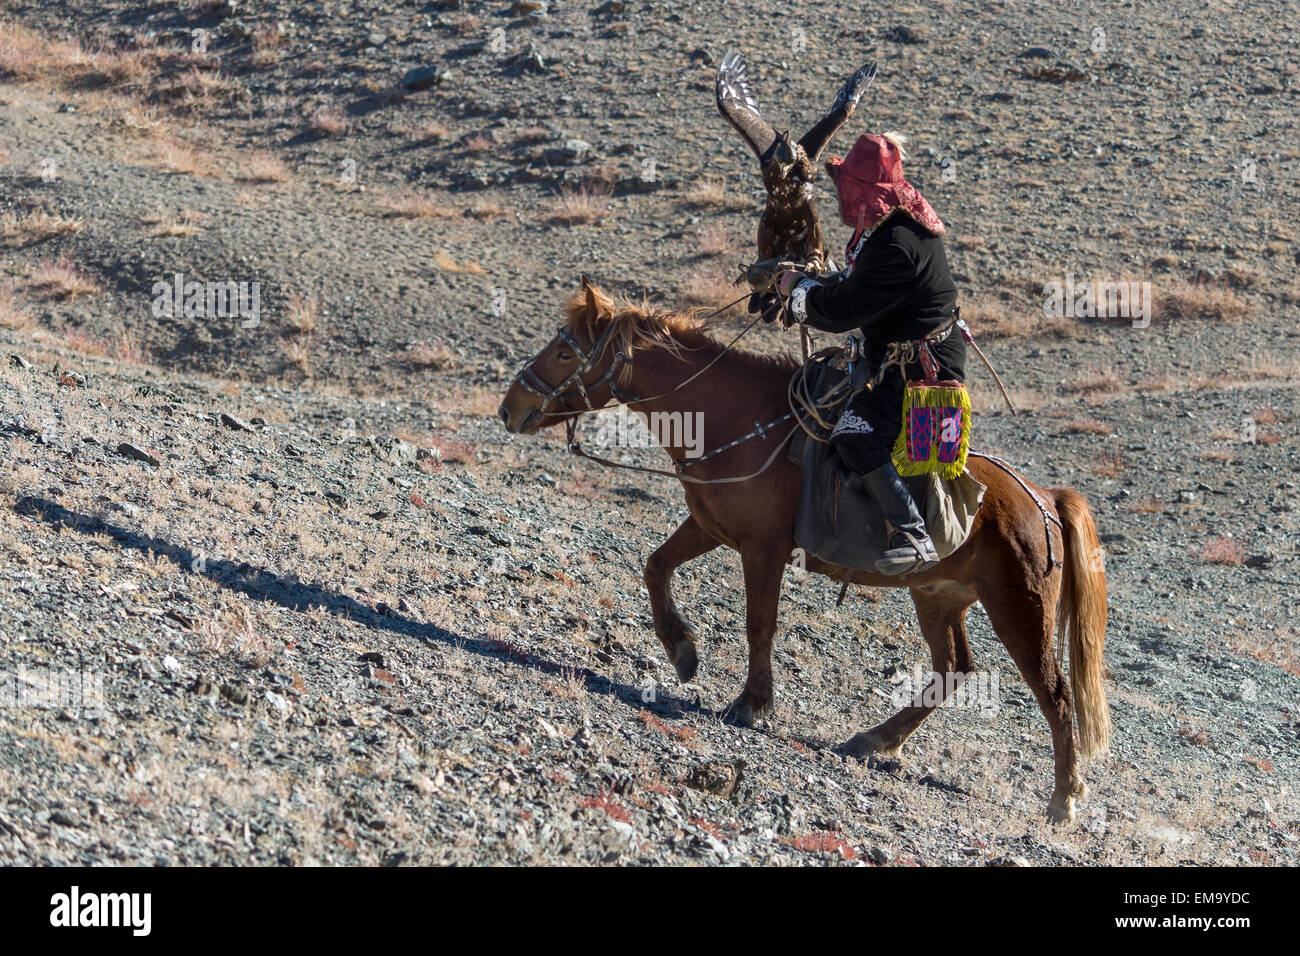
687, 542
941, 612
1025, 622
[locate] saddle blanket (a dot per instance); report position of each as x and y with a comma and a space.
839, 522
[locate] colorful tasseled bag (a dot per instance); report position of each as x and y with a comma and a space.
935, 436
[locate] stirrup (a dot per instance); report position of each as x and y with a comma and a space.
923, 558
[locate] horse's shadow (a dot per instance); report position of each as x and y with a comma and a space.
296, 595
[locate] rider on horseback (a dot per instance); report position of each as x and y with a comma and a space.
895, 288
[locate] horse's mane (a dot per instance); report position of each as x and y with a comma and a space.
640, 325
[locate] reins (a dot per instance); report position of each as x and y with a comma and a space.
803, 405
575, 448
712, 362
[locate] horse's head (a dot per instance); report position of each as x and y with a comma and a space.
580, 370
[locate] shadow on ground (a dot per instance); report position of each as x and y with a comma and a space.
262, 584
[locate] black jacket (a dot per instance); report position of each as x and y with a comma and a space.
900, 288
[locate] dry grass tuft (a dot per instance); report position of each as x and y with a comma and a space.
714, 194
1109, 464
827, 842
184, 224
478, 143
140, 121
431, 355
175, 156
606, 174
297, 353
486, 211
260, 167
267, 44
993, 318
327, 122
1102, 381
580, 205
118, 344
1265, 415
199, 90
716, 240
465, 23
431, 132
712, 290
24, 230
302, 313
61, 279
447, 264
416, 205
1088, 426
13, 314
184, 80
1196, 735
685, 734
23, 54
1281, 647
1199, 301
126, 348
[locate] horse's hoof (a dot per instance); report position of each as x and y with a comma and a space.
686, 662
866, 744
743, 712
1061, 811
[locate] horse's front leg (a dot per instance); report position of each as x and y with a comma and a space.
678, 638
764, 568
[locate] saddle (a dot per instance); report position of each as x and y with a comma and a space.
837, 520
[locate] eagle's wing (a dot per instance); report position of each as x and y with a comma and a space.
737, 104
815, 140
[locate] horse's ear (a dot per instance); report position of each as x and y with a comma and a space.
597, 304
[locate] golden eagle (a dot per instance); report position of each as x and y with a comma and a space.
789, 228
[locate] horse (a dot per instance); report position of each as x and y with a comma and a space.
745, 497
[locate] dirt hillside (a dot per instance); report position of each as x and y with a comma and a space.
280, 589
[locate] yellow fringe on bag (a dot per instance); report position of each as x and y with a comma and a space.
935, 436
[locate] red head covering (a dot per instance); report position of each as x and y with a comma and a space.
870, 184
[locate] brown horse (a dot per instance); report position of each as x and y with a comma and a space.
610, 352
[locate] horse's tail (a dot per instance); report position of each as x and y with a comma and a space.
1081, 619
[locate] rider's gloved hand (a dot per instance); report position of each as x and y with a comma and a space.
785, 282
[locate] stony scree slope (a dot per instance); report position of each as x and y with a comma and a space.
329, 612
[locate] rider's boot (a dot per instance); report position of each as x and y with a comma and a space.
908, 547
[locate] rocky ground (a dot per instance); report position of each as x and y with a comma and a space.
327, 611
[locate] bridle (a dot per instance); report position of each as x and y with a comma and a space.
529, 380
574, 386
